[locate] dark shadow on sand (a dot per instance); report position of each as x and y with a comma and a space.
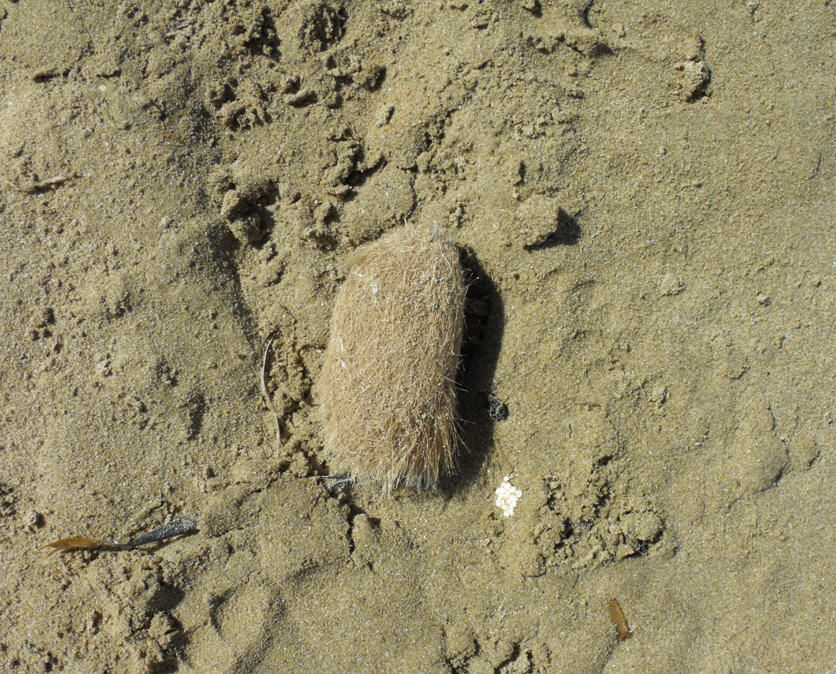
477, 410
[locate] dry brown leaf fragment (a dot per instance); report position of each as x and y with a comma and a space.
74, 543
617, 616
179, 526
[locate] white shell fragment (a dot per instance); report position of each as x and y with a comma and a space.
507, 496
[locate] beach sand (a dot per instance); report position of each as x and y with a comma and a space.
643, 196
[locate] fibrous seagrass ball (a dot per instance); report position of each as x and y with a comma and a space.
388, 388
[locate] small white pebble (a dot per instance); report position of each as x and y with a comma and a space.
507, 496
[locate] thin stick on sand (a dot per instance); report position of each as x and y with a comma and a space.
270, 338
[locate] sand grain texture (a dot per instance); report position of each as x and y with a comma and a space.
643, 193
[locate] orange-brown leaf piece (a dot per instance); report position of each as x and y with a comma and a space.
74, 543
617, 616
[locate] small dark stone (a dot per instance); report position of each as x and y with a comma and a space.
497, 410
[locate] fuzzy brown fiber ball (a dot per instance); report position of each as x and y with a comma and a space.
388, 387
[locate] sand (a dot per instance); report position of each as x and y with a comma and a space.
643, 196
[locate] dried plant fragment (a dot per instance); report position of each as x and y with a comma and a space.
180, 526
620, 622
389, 372
74, 543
